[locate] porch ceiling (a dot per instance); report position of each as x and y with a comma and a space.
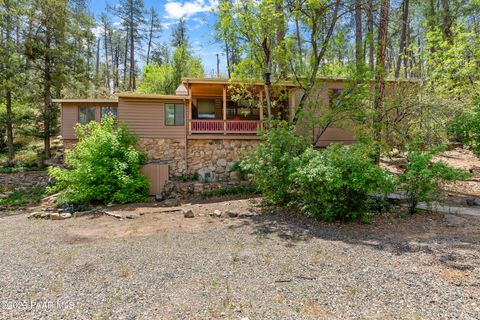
207, 90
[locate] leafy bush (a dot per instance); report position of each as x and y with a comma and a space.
21, 197
189, 177
272, 163
422, 178
237, 190
103, 167
334, 184
466, 128
237, 167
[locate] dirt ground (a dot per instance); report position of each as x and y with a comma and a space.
454, 193
263, 264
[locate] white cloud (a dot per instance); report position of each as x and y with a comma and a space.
167, 25
177, 9
97, 31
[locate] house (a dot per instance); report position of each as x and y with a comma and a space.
202, 128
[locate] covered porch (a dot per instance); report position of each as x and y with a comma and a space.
211, 110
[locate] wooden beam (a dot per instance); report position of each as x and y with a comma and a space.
190, 113
224, 109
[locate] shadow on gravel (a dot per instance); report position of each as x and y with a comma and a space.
456, 247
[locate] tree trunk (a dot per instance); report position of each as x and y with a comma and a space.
125, 61
358, 35
150, 36
132, 83
106, 55
8, 94
280, 37
380, 72
227, 49
117, 65
316, 57
299, 42
47, 95
97, 68
447, 20
403, 39
371, 51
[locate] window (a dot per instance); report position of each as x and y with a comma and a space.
86, 114
336, 97
109, 110
206, 108
174, 114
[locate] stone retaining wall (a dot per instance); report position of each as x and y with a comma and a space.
24, 179
217, 156
213, 157
69, 143
176, 188
168, 151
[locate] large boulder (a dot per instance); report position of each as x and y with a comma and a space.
454, 221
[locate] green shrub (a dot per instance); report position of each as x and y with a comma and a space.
422, 178
237, 166
189, 177
466, 128
271, 164
237, 190
22, 197
104, 166
335, 183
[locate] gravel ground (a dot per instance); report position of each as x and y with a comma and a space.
268, 266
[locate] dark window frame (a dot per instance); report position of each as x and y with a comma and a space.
109, 107
87, 118
175, 122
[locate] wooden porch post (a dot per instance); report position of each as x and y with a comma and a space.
261, 105
190, 114
224, 109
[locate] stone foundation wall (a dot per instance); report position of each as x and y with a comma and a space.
69, 143
217, 156
211, 156
168, 151
174, 189
24, 179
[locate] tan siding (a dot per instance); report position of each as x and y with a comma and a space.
146, 118
321, 94
69, 119
70, 116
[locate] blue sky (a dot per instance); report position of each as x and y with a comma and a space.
200, 23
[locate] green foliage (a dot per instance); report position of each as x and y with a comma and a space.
273, 162
164, 78
334, 184
422, 178
22, 197
453, 66
238, 190
157, 79
466, 128
189, 177
104, 166
237, 166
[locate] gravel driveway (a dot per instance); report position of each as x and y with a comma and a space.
266, 266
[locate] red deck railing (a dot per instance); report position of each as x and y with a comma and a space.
225, 126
